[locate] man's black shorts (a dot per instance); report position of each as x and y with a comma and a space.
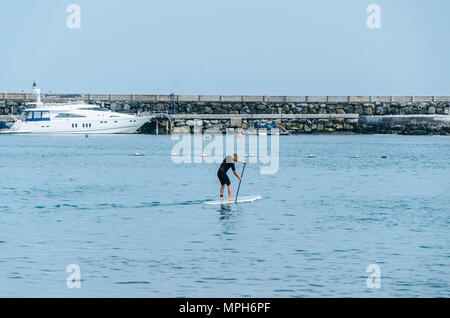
223, 177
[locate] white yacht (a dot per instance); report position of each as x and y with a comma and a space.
73, 118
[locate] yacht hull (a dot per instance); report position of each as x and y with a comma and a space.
65, 127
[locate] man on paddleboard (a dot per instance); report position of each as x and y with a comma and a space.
227, 163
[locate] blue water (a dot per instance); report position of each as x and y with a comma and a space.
137, 227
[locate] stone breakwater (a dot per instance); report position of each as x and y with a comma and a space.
307, 114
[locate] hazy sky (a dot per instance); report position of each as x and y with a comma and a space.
276, 47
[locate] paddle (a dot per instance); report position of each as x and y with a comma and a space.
242, 174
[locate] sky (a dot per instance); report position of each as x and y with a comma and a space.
257, 47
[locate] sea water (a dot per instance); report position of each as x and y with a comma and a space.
136, 226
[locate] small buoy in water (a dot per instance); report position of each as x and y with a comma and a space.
356, 156
174, 154
246, 155
137, 154
203, 155
383, 157
252, 155
311, 156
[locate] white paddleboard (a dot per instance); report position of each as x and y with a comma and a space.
249, 198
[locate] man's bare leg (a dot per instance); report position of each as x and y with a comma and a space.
221, 192
229, 193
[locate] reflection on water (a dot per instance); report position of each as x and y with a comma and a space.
225, 211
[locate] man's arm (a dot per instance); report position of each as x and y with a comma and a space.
236, 174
